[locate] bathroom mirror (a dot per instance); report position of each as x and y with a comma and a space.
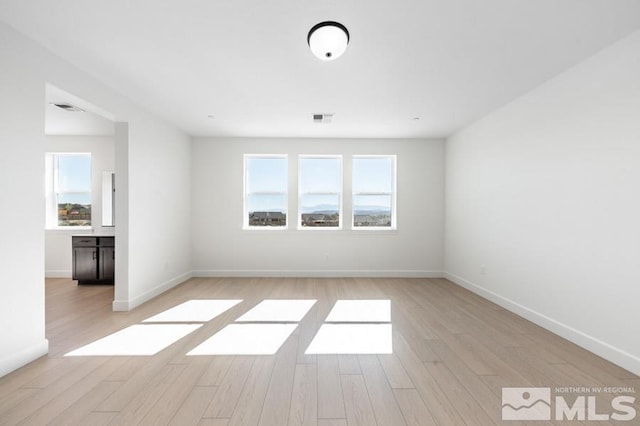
108, 198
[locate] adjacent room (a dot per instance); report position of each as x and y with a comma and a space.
338, 213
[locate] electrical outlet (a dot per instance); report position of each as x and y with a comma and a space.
483, 270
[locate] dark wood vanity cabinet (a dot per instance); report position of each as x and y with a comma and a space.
93, 259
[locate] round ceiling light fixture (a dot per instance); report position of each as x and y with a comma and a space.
328, 40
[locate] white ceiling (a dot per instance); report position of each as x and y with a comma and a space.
91, 121
448, 62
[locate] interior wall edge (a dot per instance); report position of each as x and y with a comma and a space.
24, 357
58, 273
131, 303
590, 343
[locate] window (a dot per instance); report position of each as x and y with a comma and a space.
320, 191
68, 189
374, 192
265, 189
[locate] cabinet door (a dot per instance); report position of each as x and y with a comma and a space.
85, 263
107, 263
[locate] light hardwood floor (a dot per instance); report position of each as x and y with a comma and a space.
452, 354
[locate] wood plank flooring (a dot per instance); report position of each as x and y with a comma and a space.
453, 352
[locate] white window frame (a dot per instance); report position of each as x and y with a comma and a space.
245, 207
340, 194
354, 194
52, 191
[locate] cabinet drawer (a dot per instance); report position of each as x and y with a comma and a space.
84, 241
107, 241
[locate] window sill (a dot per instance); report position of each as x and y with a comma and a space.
322, 231
320, 228
373, 229
71, 230
265, 228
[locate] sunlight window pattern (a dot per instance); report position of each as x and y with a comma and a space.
157, 332
137, 340
260, 331
194, 311
246, 339
355, 327
360, 311
278, 310
352, 327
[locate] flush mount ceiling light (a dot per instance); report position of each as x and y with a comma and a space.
328, 40
67, 107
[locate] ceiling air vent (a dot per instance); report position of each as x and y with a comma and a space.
68, 107
322, 118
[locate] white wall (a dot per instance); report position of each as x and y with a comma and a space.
152, 174
21, 184
544, 193
57, 242
159, 211
222, 247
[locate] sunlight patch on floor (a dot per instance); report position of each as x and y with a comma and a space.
360, 311
139, 339
194, 311
352, 327
352, 339
275, 310
246, 339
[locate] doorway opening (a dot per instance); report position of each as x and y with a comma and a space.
80, 185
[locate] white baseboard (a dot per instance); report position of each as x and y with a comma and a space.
24, 357
120, 306
321, 273
590, 343
127, 305
58, 274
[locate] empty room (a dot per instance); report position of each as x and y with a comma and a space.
421, 212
